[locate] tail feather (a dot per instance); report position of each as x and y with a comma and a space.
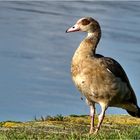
134, 114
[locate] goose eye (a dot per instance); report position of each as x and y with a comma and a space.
85, 22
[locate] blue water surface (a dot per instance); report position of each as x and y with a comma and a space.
35, 53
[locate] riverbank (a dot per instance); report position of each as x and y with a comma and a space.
71, 127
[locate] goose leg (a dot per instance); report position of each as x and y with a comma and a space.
101, 117
92, 114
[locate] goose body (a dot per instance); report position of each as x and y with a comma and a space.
100, 79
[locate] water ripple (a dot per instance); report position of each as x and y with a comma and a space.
35, 52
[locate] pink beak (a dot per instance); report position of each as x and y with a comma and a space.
74, 28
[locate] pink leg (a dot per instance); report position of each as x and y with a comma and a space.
92, 114
101, 117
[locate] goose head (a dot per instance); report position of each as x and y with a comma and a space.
86, 24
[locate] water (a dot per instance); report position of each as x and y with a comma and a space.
35, 54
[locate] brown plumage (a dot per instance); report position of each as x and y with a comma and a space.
100, 79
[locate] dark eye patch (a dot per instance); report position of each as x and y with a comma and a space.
85, 22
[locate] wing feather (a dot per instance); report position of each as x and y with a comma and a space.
114, 67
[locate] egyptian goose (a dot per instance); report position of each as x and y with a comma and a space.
100, 79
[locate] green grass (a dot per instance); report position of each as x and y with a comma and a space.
72, 127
